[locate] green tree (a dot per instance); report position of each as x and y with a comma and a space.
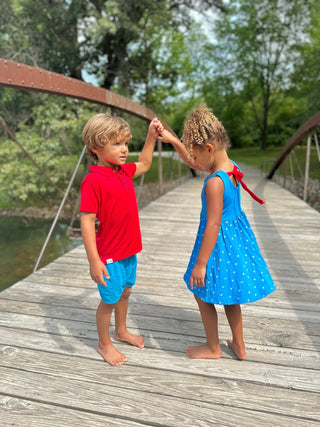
44, 33
98, 36
306, 87
257, 48
165, 68
54, 142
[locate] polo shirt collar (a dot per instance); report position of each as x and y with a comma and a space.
105, 170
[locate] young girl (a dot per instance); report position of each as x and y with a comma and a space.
226, 266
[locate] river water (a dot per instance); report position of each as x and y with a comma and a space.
21, 241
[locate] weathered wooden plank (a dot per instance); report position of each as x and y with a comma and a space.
82, 310
134, 405
148, 285
300, 291
158, 277
257, 352
163, 382
15, 411
155, 294
181, 323
156, 261
160, 341
175, 272
278, 375
145, 324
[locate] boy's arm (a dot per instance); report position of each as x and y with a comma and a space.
97, 268
167, 136
145, 159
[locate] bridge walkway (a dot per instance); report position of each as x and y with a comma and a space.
51, 374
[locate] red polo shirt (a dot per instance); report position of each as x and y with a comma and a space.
111, 196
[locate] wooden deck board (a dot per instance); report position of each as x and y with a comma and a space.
51, 374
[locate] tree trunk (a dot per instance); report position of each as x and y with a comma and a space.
264, 130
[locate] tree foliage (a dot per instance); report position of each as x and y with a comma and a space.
306, 75
255, 63
54, 142
257, 49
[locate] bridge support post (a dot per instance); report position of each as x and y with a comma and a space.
160, 167
306, 172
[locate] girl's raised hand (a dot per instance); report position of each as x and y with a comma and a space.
197, 276
166, 136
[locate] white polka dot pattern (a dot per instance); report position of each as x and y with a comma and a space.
236, 271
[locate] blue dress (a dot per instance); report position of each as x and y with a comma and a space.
236, 272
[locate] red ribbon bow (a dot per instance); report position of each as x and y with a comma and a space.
239, 175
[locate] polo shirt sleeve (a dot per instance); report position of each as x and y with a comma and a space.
89, 197
130, 168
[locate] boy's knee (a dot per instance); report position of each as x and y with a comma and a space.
126, 293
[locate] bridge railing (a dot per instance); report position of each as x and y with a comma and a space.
288, 160
24, 77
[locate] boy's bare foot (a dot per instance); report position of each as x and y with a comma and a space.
111, 355
203, 352
239, 351
136, 340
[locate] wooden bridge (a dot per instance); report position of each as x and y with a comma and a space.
51, 374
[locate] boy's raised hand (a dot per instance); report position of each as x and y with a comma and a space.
156, 127
158, 130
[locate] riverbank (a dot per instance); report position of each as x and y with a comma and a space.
30, 212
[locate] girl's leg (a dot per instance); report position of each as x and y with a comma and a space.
211, 349
234, 316
121, 333
105, 347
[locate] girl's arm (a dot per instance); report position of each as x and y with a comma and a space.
145, 159
214, 193
167, 136
97, 268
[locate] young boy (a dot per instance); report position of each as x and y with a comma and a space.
108, 195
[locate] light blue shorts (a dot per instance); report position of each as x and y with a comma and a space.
122, 274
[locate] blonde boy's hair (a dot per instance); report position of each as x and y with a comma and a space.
203, 127
101, 129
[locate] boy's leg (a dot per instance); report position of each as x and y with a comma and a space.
120, 311
105, 347
234, 316
211, 349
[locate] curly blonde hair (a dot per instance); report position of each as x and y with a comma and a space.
101, 129
203, 127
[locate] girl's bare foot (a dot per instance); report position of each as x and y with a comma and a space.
203, 352
111, 355
136, 340
238, 350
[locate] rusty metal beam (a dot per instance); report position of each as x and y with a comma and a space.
21, 76
304, 130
